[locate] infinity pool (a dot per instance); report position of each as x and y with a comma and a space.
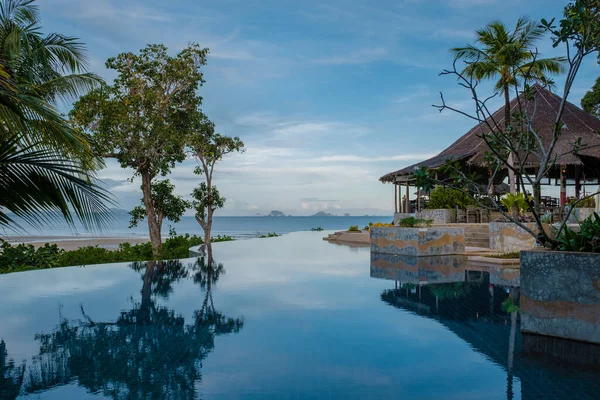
291, 317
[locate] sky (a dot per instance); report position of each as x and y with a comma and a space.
327, 95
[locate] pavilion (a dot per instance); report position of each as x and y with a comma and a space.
571, 168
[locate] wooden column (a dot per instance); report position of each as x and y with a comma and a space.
563, 185
577, 181
395, 198
407, 198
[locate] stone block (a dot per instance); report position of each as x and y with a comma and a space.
507, 237
418, 241
560, 294
439, 216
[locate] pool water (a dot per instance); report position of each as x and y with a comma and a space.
291, 317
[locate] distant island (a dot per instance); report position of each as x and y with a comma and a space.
322, 214
276, 213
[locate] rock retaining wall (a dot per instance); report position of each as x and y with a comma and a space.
560, 294
418, 241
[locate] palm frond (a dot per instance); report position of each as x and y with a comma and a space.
38, 186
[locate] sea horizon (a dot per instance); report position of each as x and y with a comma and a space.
237, 226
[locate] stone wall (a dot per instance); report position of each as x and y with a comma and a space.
579, 214
418, 241
560, 294
507, 237
439, 216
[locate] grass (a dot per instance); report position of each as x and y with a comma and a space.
506, 256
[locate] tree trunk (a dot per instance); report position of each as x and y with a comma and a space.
153, 226
509, 161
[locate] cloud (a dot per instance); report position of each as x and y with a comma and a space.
314, 199
351, 158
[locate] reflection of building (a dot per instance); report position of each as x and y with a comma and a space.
473, 304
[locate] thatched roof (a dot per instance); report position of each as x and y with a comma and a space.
471, 148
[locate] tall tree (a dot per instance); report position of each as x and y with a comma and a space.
141, 119
166, 204
591, 100
507, 57
45, 164
209, 148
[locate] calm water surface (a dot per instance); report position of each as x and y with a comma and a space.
290, 317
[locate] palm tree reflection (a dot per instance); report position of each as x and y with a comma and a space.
148, 352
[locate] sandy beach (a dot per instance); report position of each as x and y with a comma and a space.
75, 242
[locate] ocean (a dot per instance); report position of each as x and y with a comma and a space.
239, 227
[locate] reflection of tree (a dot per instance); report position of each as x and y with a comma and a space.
207, 273
149, 352
11, 375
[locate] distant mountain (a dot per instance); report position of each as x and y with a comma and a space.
275, 213
322, 214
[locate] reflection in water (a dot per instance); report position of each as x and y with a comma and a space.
481, 306
149, 352
11, 375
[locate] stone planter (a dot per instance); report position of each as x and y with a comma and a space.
579, 214
560, 294
417, 242
508, 237
439, 216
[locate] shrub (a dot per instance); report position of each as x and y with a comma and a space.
24, 257
412, 222
586, 240
380, 224
586, 203
268, 235
446, 198
354, 228
317, 229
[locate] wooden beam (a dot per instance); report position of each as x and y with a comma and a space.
563, 185
395, 198
407, 198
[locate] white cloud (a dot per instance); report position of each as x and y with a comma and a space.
351, 158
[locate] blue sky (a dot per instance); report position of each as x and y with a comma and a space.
327, 95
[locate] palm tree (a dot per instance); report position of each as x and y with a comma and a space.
45, 164
508, 57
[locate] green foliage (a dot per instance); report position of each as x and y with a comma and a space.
166, 204
515, 200
422, 177
587, 239
445, 291
206, 201
354, 228
317, 229
46, 165
591, 100
509, 306
505, 256
446, 198
23, 257
507, 55
588, 202
268, 235
412, 222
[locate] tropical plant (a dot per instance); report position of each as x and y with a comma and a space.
317, 229
47, 167
588, 202
142, 119
448, 198
166, 204
586, 239
508, 57
268, 235
354, 228
412, 222
209, 148
515, 203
